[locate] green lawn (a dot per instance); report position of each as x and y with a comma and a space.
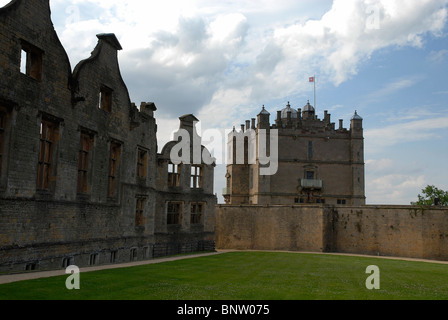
247, 276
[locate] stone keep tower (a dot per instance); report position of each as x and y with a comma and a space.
317, 163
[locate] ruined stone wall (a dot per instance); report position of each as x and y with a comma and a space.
47, 223
401, 231
45, 233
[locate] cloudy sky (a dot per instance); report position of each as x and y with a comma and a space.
223, 60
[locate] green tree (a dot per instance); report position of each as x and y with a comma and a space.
431, 195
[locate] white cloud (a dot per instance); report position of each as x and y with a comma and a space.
394, 189
438, 56
344, 36
419, 130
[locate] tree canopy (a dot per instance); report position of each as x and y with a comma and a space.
432, 195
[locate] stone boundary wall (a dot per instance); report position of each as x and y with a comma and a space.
401, 231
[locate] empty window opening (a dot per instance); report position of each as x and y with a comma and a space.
174, 213
310, 175
133, 255
310, 149
66, 262
85, 148
197, 212
23, 60
139, 212
174, 175
31, 266
142, 163
113, 256
48, 131
105, 101
196, 177
93, 259
114, 162
31, 61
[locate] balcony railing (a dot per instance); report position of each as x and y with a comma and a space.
312, 184
226, 192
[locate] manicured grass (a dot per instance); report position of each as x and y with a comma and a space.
248, 276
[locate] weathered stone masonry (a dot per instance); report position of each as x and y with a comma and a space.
397, 231
80, 173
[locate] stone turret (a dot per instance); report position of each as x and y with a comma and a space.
263, 119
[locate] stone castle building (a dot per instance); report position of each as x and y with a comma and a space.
317, 162
81, 179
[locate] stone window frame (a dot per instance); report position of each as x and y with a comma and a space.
105, 98
133, 254
197, 210
142, 162
174, 173
94, 259
49, 135
115, 151
34, 58
140, 204
113, 256
67, 261
197, 176
174, 212
85, 159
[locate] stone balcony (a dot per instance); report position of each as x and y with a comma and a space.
311, 184
226, 192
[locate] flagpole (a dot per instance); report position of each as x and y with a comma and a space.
315, 107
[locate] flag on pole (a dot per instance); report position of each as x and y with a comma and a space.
311, 79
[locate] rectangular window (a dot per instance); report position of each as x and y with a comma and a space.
31, 61
93, 259
31, 266
133, 255
114, 165
174, 175
142, 163
105, 101
139, 212
342, 201
66, 262
196, 177
85, 148
310, 175
197, 211
48, 131
113, 256
174, 213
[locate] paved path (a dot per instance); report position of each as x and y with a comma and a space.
46, 274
